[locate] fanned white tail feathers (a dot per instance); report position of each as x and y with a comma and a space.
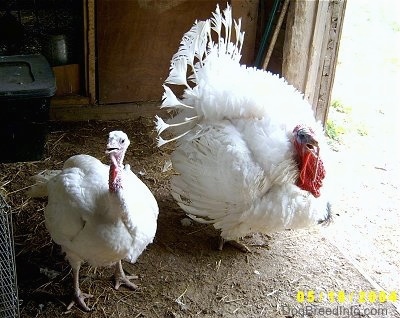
39, 188
216, 86
198, 51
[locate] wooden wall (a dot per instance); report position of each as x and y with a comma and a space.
137, 38
129, 44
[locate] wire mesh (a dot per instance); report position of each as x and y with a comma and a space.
9, 306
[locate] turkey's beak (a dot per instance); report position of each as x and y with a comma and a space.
305, 137
312, 146
111, 149
311, 142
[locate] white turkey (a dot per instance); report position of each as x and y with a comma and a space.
249, 153
98, 213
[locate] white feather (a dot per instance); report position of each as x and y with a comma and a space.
170, 99
177, 74
39, 188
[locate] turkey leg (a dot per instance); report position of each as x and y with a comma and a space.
122, 279
79, 297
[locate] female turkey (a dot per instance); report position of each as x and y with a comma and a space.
97, 213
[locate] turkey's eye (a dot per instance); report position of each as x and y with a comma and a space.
302, 136
122, 141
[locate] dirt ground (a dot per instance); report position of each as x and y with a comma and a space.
183, 275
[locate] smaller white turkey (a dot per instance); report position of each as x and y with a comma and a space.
98, 213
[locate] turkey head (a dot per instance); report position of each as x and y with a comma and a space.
311, 167
117, 144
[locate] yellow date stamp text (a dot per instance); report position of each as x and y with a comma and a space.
341, 296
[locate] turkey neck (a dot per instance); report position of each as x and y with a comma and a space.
115, 174
117, 197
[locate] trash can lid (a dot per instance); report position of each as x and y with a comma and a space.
24, 76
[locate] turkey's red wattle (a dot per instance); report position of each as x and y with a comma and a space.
311, 167
312, 172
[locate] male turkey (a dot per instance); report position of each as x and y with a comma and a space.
249, 153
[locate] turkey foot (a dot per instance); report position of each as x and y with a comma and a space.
240, 246
79, 297
122, 279
80, 300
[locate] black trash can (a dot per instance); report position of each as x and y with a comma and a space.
27, 84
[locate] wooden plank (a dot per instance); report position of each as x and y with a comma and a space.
90, 49
328, 65
316, 52
299, 30
78, 112
67, 79
75, 100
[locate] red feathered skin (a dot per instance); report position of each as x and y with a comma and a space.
311, 167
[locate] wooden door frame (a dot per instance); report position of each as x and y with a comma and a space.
313, 31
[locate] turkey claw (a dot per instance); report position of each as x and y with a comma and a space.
240, 246
125, 280
80, 301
